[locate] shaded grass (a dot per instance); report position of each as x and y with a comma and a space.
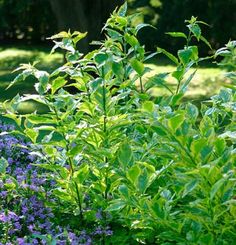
11, 58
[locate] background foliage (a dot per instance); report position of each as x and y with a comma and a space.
36, 20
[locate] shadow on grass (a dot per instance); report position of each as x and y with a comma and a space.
11, 57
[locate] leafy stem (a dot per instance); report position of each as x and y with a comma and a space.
141, 84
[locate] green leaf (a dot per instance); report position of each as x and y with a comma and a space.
36, 119
141, 26
197, 146
159, 130
116, 205
73, 57
137, 66
194, 50
206, 151
121, 20
148, 106
220, 145
157, 209
81, 175
184, 86
58, 83
14, 103
99, 96
207, 239
62, 194
225, 95
131, 40
158, 80
118, 69
32, 134
176, 121
192, 111
133, 173
175, 99
124, 191
228, 134
177, 34
179, 73
64, 172
3, 165
42, 76
22, 76
46, 166
125, 154
47, 138
205, 41
94, 84
142, 182
216, 187
79, 36
185, 56
115, 35
189, 187
123, 9
169, 55
62, 34
101, 58
34, 97
196, 30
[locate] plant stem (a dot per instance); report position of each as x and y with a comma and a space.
105, 131
79, 201
87, 90
178, 86
70, 164
141, 84
188, 39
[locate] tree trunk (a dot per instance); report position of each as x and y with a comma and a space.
83, 15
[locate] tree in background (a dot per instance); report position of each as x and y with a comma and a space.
25, 20
83, 15
169, 15
34, 20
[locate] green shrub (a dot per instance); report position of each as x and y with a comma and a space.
229, 59
160, 170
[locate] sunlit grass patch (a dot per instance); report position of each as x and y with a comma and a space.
205, 83
11, 57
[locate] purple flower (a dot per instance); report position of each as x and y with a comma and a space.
4, 218
21, 241
17, 226
9, 216
99, 214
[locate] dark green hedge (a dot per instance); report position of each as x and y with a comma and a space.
34, 20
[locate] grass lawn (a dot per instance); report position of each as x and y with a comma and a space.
11, 58
206, 82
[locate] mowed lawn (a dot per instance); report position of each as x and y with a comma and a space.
11, 58
206, 82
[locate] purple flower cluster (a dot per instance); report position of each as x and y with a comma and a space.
24, 190
9, 217
21, 210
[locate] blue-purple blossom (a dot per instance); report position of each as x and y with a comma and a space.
23, 209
